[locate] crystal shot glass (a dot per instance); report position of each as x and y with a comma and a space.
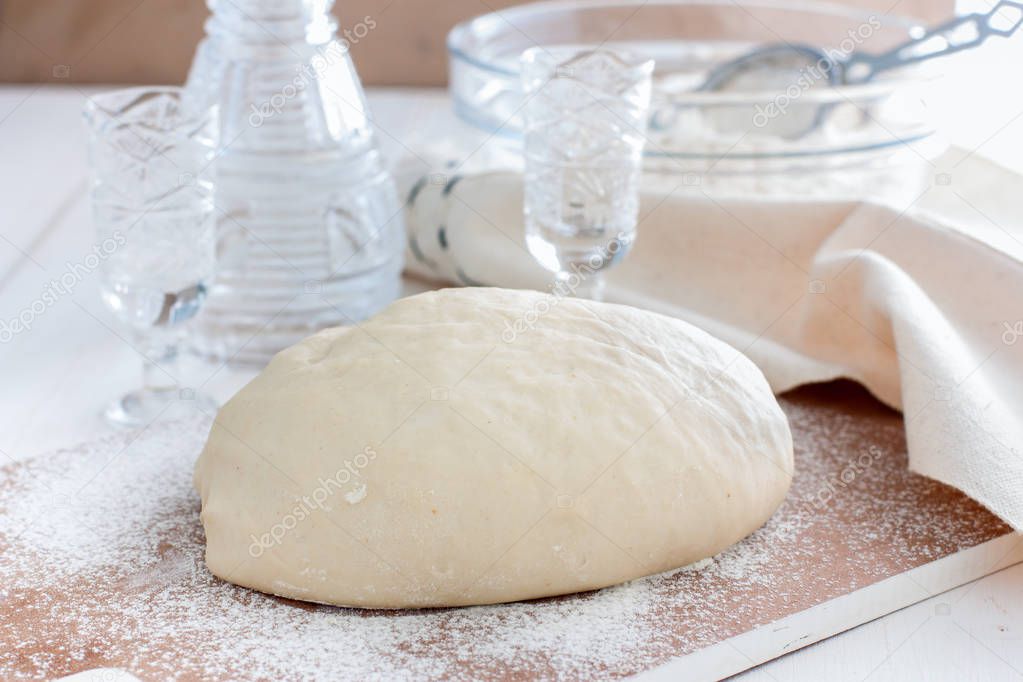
585, 128
150, 154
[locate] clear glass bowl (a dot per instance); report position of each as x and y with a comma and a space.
755, 138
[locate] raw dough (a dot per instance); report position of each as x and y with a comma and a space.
471, 446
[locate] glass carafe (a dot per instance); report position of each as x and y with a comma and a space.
309, 227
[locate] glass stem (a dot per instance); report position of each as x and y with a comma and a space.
589, 285
160, 368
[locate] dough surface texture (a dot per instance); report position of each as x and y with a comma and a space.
472, 446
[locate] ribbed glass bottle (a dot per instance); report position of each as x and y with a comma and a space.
310, 230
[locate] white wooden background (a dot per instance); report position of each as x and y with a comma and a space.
55, 378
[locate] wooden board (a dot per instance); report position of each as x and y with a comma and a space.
100, 563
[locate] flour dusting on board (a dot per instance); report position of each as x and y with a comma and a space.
102, 566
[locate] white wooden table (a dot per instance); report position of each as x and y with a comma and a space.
55, 378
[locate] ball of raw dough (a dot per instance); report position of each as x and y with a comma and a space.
471, 446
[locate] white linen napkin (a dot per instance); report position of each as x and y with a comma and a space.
925, 314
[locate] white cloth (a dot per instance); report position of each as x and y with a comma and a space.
923, 313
